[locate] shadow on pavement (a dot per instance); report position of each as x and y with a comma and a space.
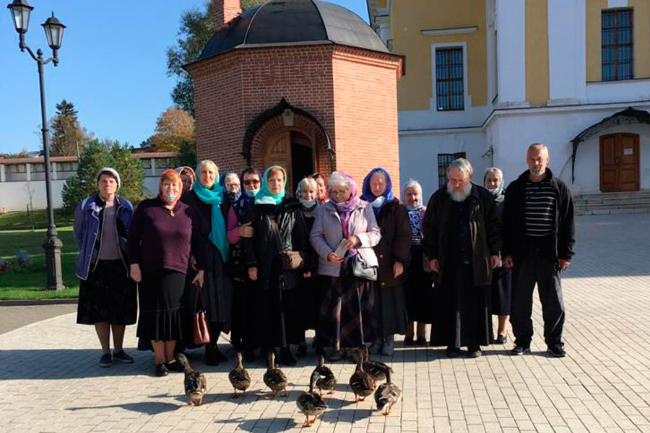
147, 408
271, 425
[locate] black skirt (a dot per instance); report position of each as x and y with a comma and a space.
160, 299
418, 289
107, 296
501, 291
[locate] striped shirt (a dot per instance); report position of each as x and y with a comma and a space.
540, 208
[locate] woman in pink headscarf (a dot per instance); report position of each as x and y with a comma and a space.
344, 228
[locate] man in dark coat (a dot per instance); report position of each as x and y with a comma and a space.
538, 243
462, 238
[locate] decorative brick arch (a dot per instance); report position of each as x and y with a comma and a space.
270, 123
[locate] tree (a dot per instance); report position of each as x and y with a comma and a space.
174, 126
196, 30
96, 155
68, 136
187, 154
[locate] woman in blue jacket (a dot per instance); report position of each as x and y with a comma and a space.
107, 296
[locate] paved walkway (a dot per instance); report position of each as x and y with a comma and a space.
14, 317
50, 382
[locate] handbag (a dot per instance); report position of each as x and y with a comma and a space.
361, 269
201, 329
292, 260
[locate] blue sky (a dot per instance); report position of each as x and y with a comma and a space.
112, 67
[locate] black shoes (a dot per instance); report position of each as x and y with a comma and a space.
556, 351
161, 370
213, 356
175, 366
122, 357
421, 341
452, 352
249, 355
408, 341
474, 351
520, 350
302, 350
106, 360
501, 339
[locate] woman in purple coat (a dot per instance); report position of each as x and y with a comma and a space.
344, 227
163, 234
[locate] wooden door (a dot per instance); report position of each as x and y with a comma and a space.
278, 152
619, 163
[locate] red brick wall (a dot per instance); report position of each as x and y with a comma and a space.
224, 11
352, 93
365, 97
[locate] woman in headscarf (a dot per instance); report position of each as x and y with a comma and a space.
501, 276
310, 291
163, 235
243, 315
392, 253
187, 176
279, 229
344, 228
206, 199
418, 283
107, 296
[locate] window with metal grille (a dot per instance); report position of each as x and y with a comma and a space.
444, 160
450, 94
617, 45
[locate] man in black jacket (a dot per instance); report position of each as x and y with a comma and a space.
538, 240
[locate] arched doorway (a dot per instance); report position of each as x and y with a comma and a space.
619, 162
292, 150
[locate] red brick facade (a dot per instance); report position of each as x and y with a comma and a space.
224, 11
351, 92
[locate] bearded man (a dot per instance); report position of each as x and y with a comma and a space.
462, 239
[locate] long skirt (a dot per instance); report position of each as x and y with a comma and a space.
218, 287
311, 301
108, 295
279, 322
390, 311
160, 300
501, 291
346, 315
244, 315
462, 316
418, 289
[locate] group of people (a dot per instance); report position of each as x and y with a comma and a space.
356, 266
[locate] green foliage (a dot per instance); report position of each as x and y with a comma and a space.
187, 154
68, 136
104, 154
196, 30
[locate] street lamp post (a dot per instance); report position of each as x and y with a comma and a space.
20, 12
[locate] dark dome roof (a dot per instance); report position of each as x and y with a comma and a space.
294, 22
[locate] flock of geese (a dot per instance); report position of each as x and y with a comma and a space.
363, 383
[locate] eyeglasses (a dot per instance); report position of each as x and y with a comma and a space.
251, 182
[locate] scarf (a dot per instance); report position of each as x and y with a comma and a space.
265, 196
232, 196
352, 202
377, 202
214, 197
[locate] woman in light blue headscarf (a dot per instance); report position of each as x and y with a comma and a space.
207, 197
278, 226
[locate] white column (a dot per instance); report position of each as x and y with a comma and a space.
2, 173
55, 171
28, 171
153, 167
511, 52
567, 52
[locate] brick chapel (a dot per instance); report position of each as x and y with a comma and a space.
304, 84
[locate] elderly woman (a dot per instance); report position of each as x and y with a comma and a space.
392, 253
243, 313
231, 186
107, 296
280, 233
501, 276
322, 187
206, 199
310, 293
187, 176
163, 234
418, 284
344, 234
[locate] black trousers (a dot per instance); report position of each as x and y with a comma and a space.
538, 267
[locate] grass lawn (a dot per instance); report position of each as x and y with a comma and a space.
28, 283
22, 221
